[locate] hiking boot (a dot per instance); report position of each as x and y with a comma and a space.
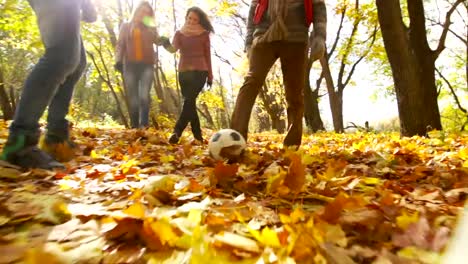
174, 138
60, 149
21, 150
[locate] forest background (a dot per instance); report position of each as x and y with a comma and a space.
358, 86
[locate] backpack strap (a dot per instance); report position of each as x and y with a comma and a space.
308, 11
262, 6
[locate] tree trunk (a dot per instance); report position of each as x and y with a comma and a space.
311, 108
335, 98
5, 103
205, 112
412, 62
273, 109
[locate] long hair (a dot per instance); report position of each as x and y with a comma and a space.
204, 20
141, 5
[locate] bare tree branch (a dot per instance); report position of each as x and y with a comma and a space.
446, 26
353, 68
452, 90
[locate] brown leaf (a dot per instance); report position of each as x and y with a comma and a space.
11, 253
125, 255
336, 255
223, 173
295, 178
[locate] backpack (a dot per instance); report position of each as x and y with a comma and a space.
262, 6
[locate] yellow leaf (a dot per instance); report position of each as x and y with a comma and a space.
371, 181
165, 232
136, 195
270, 238
195, 216
136, 210
94, 155
167, 159
297, 215
404, 220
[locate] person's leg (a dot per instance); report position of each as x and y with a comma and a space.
59, 22
262, 57
57, 124
57, 141
293, 64
131, 77
144, 94
198, 82
184, 117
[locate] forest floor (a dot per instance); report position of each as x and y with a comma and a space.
130, 197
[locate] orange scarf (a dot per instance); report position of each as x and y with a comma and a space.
137, 43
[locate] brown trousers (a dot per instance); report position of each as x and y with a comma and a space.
293, 57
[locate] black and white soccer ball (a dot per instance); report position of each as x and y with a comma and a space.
226, 144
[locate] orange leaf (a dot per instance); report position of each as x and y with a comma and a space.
224, 173
118, 177
295, 178
60, 175
93, 174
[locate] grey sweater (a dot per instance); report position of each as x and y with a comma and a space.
295, 22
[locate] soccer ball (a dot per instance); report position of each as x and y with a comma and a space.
226, 144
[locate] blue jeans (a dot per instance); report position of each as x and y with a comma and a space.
138, 81
53, 78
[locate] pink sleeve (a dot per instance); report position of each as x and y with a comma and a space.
208, 57
176, 40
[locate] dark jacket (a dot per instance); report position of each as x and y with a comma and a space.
296, 22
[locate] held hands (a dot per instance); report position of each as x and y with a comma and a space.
164, 41
209, 83
317, 48
118, 66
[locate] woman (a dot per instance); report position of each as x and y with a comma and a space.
193, 42
135, 59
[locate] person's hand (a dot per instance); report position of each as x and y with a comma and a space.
118, 66
88, 11
164, 41
317, 48
209, 83
248, 49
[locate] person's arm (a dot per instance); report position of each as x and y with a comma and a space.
121, 47
320, 19
250, 25
175, 46
208, 60
319, 34
88, 11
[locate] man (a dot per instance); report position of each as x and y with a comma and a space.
280, 29
50, 83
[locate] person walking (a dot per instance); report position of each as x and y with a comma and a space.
135, 59
50, 84
279, 29
193, 42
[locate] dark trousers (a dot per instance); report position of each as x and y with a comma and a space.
191, 84
293, 63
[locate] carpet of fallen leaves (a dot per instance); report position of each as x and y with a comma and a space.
130, 197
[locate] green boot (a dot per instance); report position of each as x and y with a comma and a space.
22, 150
